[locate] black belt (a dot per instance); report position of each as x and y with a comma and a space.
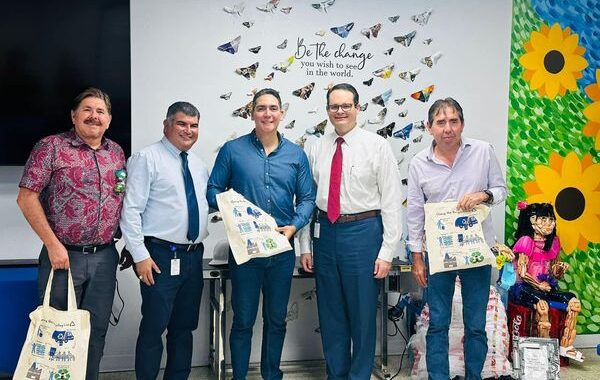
346, 218
85, 249
183, 247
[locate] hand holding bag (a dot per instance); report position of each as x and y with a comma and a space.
57, 341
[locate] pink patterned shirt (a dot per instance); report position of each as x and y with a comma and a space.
76, 185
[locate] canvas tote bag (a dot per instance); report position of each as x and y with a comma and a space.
250, 231
455, 239
57, 341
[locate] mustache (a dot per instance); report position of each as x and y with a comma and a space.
93, 121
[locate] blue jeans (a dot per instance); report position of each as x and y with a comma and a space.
272, 276
344, 259
475, 289
172, 304
94, 276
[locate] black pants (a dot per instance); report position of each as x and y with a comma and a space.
94, 277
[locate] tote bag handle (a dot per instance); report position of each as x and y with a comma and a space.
71, 299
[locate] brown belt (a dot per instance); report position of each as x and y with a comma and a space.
346, 218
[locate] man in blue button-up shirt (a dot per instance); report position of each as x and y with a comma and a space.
274, 174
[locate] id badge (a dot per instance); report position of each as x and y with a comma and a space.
317, 230
174, 267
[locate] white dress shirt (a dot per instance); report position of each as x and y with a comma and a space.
155, 202
370, 181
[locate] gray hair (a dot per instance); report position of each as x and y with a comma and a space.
92, 92
184, 107
441, 104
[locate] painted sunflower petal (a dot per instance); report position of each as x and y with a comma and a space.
571, 169
547, 179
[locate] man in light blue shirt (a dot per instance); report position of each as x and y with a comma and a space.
273, 173
164, 222
467, 170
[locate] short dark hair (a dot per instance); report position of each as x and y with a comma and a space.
92, 92
443, 103
266, 91
183, 107
346, 87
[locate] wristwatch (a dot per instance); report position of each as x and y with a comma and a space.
490, 195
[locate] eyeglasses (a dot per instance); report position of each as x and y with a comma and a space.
335, 107
120, 175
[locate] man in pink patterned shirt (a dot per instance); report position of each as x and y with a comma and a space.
71, 194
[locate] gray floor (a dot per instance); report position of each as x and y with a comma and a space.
588, 370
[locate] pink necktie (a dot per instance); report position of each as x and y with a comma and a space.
335, 180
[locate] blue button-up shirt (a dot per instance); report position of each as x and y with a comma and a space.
280, 183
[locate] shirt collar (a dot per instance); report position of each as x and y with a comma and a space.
75, 140
464, 142
348, 137
259, 145
169, 146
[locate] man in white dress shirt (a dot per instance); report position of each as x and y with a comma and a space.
164, 222
355, 233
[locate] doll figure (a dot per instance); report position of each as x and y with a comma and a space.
539, 268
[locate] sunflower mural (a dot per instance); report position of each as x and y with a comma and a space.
592, 112
554, 109
553, 61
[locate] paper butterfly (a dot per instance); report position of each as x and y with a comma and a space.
427, 41
383, 98
384, 72
388, 51
423, 95
268, 7
399, 101
393, 19
380, 117
318, 130
282, 45
243, 112
343, 30
237, 9
270, 76
422, 18
364, 107
368, 82
406, 39
231, 46
304, 92
320, 33
403, 113
404, 132
374, 31
283, 66
357, 46
420, 125
323, 5
418, 139
255, 50
386, 131
226, 96
286, 10
431, 59
248, 24
290, 125
248, 72
409, 76
405, 148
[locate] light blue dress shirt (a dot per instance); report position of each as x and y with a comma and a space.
155, 202
475, 169
280, 183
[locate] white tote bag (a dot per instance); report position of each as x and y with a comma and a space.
250, 231
455, 238
57, 341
